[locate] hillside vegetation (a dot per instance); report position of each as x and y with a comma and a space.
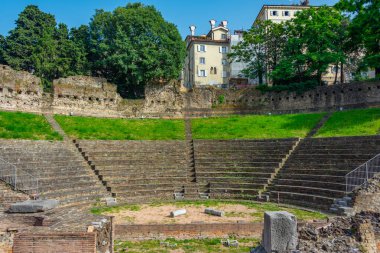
17, 125
88, 128
352, 123
255, 126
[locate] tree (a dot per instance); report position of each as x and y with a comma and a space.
261, 49
2, 42
32, 27
365, 29
81, 38
311, 46
133, 46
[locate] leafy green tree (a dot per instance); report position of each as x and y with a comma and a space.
261, 49
365, 29
2, 42
32, 27
81, 38
133, 46
311, 46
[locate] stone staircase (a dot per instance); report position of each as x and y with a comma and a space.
314, 175
238, 168
138, 171
62, 173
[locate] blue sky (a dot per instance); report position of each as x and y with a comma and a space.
239, 13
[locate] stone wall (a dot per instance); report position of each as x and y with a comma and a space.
187, 231
92, 96
368, 198
54, 242
250, 100
19, 90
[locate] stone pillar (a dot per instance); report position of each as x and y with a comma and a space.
280, 232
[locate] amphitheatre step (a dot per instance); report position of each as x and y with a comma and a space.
132, 181
311, 183
324, 192
299, 199
137, 175
232, 185
147, 193
233, 173
236, 164
68, 185
315, 177
228, 191
325, 172
236, 169
256, 180
138, 162
72, 191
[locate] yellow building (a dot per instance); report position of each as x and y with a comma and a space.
206, 62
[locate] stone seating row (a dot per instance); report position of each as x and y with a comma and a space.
238, 168
62, 173
137, 171
314, 175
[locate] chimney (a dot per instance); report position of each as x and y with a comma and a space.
212, 23
192, 30
224, 23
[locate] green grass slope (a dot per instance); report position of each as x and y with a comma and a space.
17, 125
352, 123
87, 128
255, 126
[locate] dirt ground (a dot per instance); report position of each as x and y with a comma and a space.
161, 215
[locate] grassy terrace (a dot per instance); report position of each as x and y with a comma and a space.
255, 126
352, 123
185, 246
17, 125
88, 128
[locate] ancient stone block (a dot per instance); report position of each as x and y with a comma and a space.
280, 232
33, 206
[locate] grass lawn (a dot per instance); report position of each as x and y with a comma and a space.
352, 123
185, 246
258, 207
88, 128
17, 125
255, 126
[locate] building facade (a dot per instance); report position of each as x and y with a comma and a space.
282, 13
206, 62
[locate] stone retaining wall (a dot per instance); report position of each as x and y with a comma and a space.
187, 231
92, 96
54, 243
193, 230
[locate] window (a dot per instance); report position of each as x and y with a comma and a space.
224, 62
224, 36
335, 69
202, 48
274, 13
202, 73
223, 50
202, 60
286, 13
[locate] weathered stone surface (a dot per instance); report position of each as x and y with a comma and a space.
178, 213
33, 206
368, 198
93, 96
214, 212
111, 202
280, 232
343, 234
